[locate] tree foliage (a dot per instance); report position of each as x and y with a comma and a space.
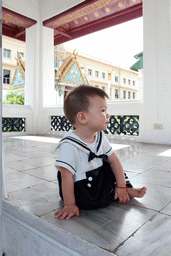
15, 97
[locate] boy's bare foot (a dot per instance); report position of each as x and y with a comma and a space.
137, 192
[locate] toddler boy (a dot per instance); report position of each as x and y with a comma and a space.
90, 174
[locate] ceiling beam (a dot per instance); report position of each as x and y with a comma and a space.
106, 22
21, 32
63, 32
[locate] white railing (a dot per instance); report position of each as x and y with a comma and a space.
124, 107
20, 111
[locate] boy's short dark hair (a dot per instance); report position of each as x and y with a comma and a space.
78, 100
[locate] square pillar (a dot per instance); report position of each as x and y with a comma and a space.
156, 120
39, 74
49, 92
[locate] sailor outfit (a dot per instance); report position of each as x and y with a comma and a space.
94, 181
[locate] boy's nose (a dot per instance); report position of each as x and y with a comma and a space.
107, 115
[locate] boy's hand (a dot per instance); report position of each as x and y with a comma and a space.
122, 195
67, 212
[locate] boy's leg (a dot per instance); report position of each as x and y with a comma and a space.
133, 192
114, 184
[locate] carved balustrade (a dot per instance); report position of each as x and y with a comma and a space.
10, 124
127, 125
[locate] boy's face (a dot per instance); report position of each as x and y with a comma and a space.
97, 116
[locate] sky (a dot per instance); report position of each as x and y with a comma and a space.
117, 44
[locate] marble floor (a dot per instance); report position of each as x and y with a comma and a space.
140, 227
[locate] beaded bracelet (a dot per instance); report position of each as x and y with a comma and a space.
123, 188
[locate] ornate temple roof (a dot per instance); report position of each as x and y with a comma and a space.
19, 74
70, 73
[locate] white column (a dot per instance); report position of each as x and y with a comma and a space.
39, 76
33, 91
139, 95
49, 93
157, 75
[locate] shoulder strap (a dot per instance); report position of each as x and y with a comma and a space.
79, 143
76, 142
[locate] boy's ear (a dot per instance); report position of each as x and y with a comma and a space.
81, 117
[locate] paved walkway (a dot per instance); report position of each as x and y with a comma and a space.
141, 227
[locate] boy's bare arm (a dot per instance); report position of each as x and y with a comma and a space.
118, 172
70, 209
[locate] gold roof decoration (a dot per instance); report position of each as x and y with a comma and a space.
21, 63
70, 72
59, 52
67, 62
18, 80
